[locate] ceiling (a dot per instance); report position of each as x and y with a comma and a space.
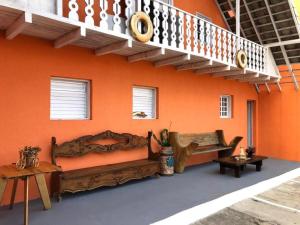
267, 22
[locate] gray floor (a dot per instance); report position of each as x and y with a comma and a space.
147, 201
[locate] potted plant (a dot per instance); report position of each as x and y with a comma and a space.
166, 153
28, 157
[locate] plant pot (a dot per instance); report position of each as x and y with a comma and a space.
167, 161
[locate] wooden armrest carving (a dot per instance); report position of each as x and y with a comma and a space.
181, 152
233, 144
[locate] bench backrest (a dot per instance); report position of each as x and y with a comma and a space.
87, 144
202, 139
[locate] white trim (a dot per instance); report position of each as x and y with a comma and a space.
228, 107
199, 212
88, 99
154, 103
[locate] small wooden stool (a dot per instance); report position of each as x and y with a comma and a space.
10, 172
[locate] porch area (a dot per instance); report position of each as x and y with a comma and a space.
180, 39
147, 201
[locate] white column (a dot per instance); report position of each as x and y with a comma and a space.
238, 21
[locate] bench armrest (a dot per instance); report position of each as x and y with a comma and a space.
181, 152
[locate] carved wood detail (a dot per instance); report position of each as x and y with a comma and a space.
185, 145
86, 144
102, 178
107, 175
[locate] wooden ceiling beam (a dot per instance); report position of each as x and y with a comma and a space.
256, 80
229, 73
241, 77
18, 26
270, 81
197, 65
114, 47
173, 60
213, 70
146, 55
70, 37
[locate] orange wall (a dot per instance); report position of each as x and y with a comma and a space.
190, 101
279, 122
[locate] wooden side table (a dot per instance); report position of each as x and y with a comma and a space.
10, 172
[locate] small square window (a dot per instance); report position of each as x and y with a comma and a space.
70, 99
144, 103
225, 106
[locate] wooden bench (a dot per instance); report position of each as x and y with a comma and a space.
107, 175
185, 145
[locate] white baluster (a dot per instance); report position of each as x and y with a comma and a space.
265, 60
173, 27
208, 40
224, 46
195, 34
254, 56
213, 41
147, 6
89, 11
201, 35
241, 44
117, 19
103, 14
73, 13
229, 35
234, 49
128, 13
181, 30
219, 46
249, 53
260, 58
156, 21
165, 24
246, 50
188, 33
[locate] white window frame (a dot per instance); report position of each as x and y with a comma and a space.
228, 107
88, 97
154, 103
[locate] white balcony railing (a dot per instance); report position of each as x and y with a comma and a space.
105, 22
176, 29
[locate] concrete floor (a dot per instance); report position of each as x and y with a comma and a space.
145, 201
278, 206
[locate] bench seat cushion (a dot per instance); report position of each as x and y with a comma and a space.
202, 150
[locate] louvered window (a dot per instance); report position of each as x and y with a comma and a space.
69, 99
144, 103
225, 106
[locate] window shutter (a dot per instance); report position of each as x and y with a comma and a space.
144, 101
69, 99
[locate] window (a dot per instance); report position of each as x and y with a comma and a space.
225, 106
69, 99
144, 103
